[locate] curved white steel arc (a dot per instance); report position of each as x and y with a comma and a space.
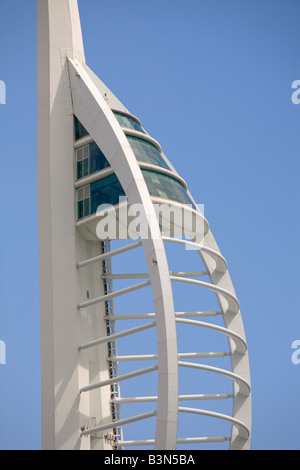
221, 264
243, 430
109, 171
216, 267
241, 345
96, 116
141, 135
244, 387
239, 362
233, 303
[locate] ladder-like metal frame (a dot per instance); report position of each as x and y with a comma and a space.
186, 318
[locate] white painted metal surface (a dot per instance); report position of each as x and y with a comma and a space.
80, 372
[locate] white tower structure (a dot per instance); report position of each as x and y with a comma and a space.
92, 151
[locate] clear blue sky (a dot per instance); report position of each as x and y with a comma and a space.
211, 81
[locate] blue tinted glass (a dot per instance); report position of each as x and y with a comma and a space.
97, 159
126, 121
80, 131
82, 168
79, 170
83, 208
160, 185
85, 167
146, 152
105, 191
86, 207
80, 210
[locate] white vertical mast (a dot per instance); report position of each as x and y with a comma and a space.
59, 36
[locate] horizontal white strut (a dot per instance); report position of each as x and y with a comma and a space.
242, 429
141, 357
121, 422
207, 313
145, 316
119, 378
244, 387
221, 263
187, 440
233, 303
206, 396
117, 293
153, 357
121, 334
109, 254
146, 275
241, 345
132, 316
134, 400
203, 396
203, 355
202, 440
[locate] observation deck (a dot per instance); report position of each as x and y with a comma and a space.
99, 192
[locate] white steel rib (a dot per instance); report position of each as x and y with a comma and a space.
96, 116
128, 172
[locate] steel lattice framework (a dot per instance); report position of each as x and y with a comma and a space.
82, 371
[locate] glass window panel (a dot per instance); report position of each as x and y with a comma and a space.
85, 166
82, 168
166, 187
80, 194
97, 159
86, 191
105, 191
80, 131
86, 207
79, 154
83, 208
80, 210
126, 121
83, 201
86, 151
146, 152
79, 169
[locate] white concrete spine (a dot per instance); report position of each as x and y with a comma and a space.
62, 287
